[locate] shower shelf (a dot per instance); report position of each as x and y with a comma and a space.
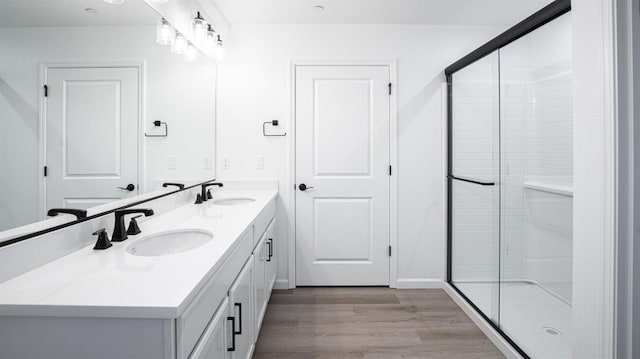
554, 188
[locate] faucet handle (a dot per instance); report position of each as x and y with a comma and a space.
198, 199
209, 195
103, 239
133, 226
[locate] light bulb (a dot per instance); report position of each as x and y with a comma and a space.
179, 44
165, 35
192, 53
212, 38
219, 50
114, 2
199, 27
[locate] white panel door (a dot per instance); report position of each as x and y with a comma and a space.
91, 135
342, 156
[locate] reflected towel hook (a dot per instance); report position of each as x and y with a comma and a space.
158, 124
273, 123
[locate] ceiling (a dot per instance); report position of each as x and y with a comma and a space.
18, 13
432, 12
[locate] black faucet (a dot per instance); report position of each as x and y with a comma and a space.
79, 213
119, 229
203, 193
179, 185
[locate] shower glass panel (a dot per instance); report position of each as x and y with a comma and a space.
536, 190
474, 193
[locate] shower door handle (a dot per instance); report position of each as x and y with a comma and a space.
481, 183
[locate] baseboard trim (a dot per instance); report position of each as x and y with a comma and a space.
419, 283
485, 327
281, 284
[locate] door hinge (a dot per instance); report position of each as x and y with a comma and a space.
45, 171
389, 251
46, 91
389, 88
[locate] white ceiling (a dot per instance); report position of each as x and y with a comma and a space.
436, 12
16, 13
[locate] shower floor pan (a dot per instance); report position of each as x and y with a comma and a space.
538, 321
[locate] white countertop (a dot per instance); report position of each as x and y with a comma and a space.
114, 283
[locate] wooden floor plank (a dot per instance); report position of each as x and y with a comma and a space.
368, 323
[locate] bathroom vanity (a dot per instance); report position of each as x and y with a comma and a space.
151, 296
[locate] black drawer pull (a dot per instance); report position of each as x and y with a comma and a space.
269, 255
233, 334
239, 305
270, 247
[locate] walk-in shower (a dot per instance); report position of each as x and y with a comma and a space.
510, 182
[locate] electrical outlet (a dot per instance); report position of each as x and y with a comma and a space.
260, 162
173, 163
226, 163
206, 163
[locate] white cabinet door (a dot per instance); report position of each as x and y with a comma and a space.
213, 343
260, 281
270, 275
241, 309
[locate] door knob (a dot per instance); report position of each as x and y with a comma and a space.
130, 187
303, 187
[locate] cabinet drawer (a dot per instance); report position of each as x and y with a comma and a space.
194, 320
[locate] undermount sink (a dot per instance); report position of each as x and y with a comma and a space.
169, 242
236, 201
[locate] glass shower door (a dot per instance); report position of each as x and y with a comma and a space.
474, 201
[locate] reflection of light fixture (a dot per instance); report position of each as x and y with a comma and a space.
192, 53
164, 32
158, 1
212, 38
199, 26
114, 2
179, 44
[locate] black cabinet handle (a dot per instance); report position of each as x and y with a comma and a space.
130, 187
269, 252
270, 248
233, 334
239, 305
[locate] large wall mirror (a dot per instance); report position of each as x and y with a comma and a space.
87, 92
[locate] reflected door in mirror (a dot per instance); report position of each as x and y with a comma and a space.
91, 135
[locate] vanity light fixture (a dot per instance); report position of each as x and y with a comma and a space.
179, 44
165, 35
212, 38
114, 2
191, 53
199, 27
219, 50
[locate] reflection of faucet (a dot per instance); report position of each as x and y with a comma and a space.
79, 213
119, 229
179, 185
204, 194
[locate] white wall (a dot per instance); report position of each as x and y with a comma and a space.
254, 87
180, 93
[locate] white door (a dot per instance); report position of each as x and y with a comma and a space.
342, 157
91, 135
270, 255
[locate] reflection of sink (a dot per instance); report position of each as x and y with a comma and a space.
169, 242
232, 201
